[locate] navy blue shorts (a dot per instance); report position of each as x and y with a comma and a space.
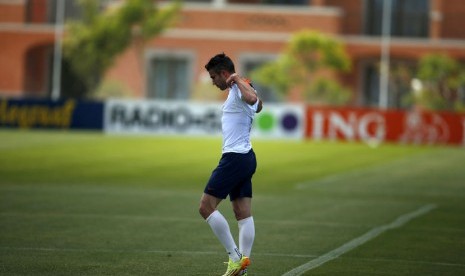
233, 176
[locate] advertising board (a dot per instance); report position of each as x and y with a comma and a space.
378, 126
162, 117
276, 121
44, 113
280, 121
188, 118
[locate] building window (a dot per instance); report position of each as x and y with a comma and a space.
287, 2
409, 18
400, 75
168, 76
38, 11
371, 85
266, 2
198, 1
249, 63
72, 10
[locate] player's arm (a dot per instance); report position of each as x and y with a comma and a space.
259, 106
248, 92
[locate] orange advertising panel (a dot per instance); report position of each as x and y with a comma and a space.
377, 126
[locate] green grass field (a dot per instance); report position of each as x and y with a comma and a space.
91, 204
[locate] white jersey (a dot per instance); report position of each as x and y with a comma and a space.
236, 122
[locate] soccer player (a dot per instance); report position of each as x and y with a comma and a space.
233, 175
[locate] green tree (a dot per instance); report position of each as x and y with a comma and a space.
401, 73
442, 84
306, 55
92, 44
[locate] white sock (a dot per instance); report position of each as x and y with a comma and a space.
221, 230
246, 235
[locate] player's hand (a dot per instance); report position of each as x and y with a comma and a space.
232, 79
259, 106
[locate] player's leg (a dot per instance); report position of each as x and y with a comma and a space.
242, 211
241, 198
218, 224
218, 187
242, 207
208, 205
227, 179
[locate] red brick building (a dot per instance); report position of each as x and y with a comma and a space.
251, 32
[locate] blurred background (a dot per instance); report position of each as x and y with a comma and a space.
387, 78
392, 54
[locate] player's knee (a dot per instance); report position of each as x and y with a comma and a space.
205, 210
241, 214
202, 211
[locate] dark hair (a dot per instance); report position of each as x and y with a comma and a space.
220, 62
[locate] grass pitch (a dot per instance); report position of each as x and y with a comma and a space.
91, 204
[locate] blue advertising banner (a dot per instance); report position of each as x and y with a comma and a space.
61, 114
